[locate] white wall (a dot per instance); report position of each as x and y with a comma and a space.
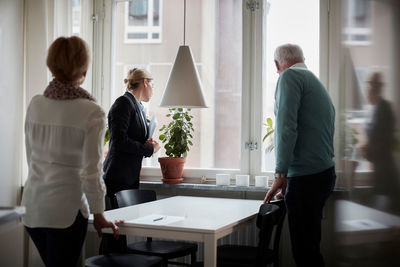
11, 100
11, 108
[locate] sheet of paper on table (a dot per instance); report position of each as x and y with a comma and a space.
157, 219
364, 224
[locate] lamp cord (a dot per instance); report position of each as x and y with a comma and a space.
184, 22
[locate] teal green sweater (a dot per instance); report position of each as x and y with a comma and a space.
305, 124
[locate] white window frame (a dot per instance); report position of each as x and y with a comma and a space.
149, 30
252, 98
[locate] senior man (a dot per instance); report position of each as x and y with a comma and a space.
304, 171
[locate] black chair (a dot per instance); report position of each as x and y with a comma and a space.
167, 250
123, 260
270, 217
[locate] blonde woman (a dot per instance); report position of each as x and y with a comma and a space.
64, 132
129, 141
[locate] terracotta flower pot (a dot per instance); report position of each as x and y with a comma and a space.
172, 169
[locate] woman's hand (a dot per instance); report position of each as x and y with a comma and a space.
154, 144
100, 222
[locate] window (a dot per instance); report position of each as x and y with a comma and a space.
356, 30
216, 46
76, 17
279, 31
233, 49
143, 21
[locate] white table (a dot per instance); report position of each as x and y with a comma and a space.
10, 217
356, 224
202, 220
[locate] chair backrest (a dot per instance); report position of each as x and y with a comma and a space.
131, 197
270, 217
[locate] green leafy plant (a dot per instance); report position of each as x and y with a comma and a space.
107, 136
270, 130
351, 142
177, 134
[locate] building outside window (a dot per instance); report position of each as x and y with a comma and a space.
357, 25
143, 21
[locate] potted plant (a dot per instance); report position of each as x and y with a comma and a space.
176, 137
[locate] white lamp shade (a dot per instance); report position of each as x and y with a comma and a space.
184, 88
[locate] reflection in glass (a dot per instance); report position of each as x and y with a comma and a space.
367, 210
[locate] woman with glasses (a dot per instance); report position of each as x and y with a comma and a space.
129, 143
129, 130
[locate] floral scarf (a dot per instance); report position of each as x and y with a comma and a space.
66, 91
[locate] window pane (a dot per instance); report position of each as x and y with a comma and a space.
76, 17
138, 12
156, 12
361, 13
137, 35
216, 45
279, 31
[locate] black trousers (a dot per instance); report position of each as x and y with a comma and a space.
60, 247
305, 198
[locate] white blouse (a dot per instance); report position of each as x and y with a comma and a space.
64, 148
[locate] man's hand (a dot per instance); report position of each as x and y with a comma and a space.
100, 222
279, 183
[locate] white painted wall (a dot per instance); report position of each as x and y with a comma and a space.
11, 109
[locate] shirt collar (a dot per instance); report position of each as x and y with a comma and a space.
137, 101
299, 65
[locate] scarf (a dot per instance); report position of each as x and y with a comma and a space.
66, 91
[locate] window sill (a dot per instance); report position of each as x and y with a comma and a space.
196, 186
204, 190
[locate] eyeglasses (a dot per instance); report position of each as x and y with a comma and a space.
150, 82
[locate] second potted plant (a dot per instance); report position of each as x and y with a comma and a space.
177, 137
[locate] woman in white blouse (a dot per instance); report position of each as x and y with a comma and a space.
64, 131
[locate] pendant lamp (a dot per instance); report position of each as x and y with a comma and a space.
184, 88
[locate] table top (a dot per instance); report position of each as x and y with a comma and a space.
351, 217
10, 217
11, 213
189, 214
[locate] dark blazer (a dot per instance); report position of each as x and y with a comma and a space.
126, 149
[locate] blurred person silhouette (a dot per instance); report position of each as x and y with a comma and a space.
380, 143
